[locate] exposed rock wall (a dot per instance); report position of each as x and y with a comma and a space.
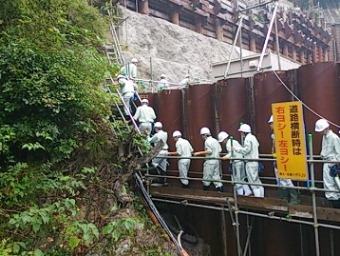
173, 50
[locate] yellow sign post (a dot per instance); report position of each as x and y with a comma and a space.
290, 143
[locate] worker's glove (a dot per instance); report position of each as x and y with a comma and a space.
135, 96
230, 167
261, 167
334, 170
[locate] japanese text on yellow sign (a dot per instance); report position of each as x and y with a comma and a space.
290, 143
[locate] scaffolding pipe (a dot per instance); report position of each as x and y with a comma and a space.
267, 38
233, 46
277, 44
316, 231
243, 183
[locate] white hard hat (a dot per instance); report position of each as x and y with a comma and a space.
205, 130
163, 76
244, 128
321, 125
134, 60
145, 101
176, 134
222, 136
187, 76
158, 125
271, 120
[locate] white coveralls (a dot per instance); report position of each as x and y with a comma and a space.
160, 163
330, 151
184, 83
183, 149
145, 115
211, 167
250, 150
162, 84
129, 70
239, 173
127, 90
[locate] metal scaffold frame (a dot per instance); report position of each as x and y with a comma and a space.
235, 211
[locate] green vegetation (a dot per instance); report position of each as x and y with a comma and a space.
64, 166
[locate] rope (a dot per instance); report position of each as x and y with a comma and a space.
304, 104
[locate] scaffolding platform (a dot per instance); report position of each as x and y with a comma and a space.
271, 206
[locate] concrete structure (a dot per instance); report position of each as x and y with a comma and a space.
247, 67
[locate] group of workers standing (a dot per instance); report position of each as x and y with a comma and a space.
242, 170
245, 171
128, 74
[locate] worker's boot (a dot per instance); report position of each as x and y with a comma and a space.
335, 203
206, 187
240, 191
294, 197
247, 190
257, 192
185, 186
261, 191
220, 189
283, 193
165, 181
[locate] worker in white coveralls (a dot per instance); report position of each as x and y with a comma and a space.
286, 189
239, 173
211, 167
250, 150
127, 89
163, 83
130, 69
160, 163
145, 115
185, 82
330, 151
183, 149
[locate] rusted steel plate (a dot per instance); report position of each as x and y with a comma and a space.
319, 87
168, 104
200, 112
232, 105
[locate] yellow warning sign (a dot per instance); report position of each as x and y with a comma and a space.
290, 143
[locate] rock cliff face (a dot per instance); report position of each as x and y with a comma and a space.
172, 50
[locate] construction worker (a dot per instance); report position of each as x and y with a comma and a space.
183, 149
127, 89
286, 186
330, 151
185, 82
145, 115
250, 150
239, 174
130, 69
163, 83
211, 167
160, 163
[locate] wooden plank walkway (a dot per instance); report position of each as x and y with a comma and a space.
254, 204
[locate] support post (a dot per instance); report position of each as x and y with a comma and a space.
252, 43
315, 218
175, 16
144, 7
199, 27
233, 47
218, 29
302, 57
